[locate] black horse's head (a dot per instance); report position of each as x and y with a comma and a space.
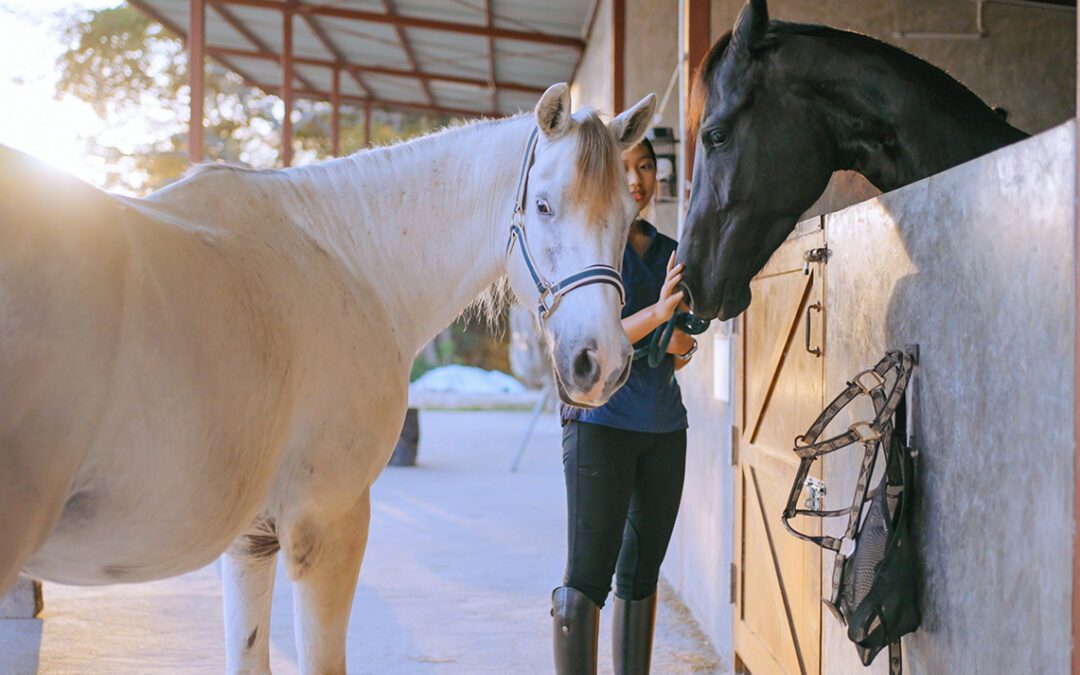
762, 159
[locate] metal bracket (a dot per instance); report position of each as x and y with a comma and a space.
816, 491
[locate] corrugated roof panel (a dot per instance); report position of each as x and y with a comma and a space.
559, 17
264, 72
438, 52
396, 88
264, 23
455, 95
307, 44
534, 64
449, 53
441, 10
366, 43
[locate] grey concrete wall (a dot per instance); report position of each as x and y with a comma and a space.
976, 266
651, 50
1026, 63
592, 86
699, 558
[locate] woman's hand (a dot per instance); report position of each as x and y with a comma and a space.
680, 343
670, 297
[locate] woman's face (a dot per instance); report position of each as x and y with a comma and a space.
640, 174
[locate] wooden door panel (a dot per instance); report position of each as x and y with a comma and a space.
778, 602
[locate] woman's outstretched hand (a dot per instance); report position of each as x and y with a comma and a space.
670, 297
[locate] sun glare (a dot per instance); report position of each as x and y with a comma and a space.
31, 118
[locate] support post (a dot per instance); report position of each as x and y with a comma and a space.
618, 56
196, 59
1076, 414
698, 40
367, 124
287, 84
335, 115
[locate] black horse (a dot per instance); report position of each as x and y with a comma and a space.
776, 108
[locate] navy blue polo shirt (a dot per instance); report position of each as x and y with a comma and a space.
650, 400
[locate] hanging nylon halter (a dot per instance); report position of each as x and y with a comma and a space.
550, 294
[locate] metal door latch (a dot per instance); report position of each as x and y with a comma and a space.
815, 491
814, 255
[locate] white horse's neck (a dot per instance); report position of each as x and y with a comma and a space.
424, 222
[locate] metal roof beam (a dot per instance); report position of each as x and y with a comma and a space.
376, 70
250, 36
333, 49
417, 22
389, 7
382, 102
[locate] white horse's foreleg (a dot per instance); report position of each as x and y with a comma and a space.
323, 558
247, 577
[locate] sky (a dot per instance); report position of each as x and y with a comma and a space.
31, 117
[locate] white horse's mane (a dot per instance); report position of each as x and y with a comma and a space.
595, 175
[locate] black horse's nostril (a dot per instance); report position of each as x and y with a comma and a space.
586, 370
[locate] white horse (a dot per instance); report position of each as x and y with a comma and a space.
223, 366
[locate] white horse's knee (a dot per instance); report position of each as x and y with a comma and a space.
302, 546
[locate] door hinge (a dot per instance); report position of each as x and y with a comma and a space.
734, 582
734, 445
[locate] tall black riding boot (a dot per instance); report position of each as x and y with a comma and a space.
577, 625
632, 634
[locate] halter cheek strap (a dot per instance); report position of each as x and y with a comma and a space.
549, 294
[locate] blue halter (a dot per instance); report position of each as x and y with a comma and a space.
550, 294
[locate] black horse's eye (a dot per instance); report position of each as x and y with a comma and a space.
543, 208
716, 137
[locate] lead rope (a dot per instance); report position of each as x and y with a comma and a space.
661, 336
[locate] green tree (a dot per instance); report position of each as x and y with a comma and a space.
134, 73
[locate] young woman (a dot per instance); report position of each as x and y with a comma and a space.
624, 464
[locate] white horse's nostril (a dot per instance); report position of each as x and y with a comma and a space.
585, 369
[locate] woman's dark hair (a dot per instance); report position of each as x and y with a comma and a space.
648, 146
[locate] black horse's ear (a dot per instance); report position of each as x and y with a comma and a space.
751, 26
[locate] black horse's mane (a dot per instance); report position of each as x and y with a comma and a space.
701, 87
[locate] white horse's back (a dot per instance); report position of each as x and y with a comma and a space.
144, 379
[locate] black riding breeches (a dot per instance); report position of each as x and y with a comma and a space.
622, 495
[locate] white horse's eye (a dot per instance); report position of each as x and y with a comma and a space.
543, 208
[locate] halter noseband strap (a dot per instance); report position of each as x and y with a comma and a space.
550, 294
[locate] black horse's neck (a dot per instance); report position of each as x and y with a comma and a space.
893, 117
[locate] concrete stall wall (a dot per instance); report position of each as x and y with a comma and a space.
975, 265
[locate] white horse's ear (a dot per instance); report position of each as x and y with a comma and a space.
553, 110
630, 126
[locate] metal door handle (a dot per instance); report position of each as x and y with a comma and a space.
816, 351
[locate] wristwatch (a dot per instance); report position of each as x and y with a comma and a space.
689, 352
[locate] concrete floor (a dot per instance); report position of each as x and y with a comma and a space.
457, 579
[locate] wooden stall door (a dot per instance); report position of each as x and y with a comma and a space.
777, 577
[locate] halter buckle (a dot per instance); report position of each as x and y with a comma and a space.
857, 381
545, 309
871, 434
